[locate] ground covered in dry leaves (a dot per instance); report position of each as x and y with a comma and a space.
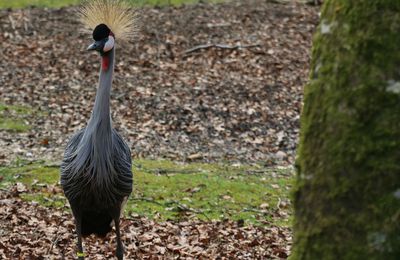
209, 104
30, 231
237, 98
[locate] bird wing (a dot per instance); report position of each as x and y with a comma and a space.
122, 164
72, 145
74, 184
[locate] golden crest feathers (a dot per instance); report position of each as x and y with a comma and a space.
118, 15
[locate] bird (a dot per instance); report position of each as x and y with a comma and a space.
95, 173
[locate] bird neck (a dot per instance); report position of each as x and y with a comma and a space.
101, 119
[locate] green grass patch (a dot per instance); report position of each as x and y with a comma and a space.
60, 3
166, 190
13, 118
13, 125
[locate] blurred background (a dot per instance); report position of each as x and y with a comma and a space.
60, 3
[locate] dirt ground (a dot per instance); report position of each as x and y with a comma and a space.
238, 102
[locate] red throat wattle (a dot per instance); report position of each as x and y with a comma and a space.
105, 62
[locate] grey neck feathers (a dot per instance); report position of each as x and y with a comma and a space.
101, 111
94, 154
99, 129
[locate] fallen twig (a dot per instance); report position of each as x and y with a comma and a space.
54, 242
220, 46
254, 210
169, 171
179, 206
148, 200
183, 207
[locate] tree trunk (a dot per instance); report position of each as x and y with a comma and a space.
347, 195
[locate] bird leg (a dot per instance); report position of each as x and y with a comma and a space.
80, 253
120, 246
78, 223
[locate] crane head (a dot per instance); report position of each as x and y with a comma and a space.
109, 19
103, 39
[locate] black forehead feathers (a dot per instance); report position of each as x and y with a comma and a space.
101, 32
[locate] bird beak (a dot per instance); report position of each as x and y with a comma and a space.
94, 46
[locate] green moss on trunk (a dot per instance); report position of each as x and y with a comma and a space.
347, 197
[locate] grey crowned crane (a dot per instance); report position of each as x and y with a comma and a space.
96, 170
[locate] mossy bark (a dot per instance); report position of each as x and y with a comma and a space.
347, 197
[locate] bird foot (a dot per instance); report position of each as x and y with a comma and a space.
120, 252
81, 255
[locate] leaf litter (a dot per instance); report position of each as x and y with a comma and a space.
237, 99
31, 231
